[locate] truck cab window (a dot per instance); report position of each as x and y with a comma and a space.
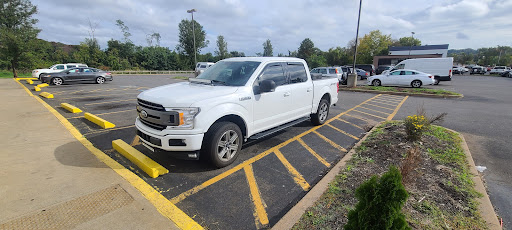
275, 73
297, 73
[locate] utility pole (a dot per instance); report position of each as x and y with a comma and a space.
352, 78
193, 33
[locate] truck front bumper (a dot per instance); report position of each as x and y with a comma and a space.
169, 142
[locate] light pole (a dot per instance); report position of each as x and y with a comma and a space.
193, 33
352, 78
412, 41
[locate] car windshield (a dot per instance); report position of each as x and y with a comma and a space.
230, 73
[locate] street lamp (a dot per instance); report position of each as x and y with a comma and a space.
193, 33
412, 41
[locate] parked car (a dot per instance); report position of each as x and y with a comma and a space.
55, 68
440, 68
201, 67
478, 70
331, 72
402, 77
383, 68
367, 67
234, 100
362, 74
459, 70
77, 75
498, 69
507, 73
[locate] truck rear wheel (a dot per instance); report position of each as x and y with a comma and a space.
322, 113
222, 143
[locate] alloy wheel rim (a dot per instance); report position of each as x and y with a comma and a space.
57, 81
323, 112
100, 80
227, 146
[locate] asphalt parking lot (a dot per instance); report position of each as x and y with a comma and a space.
266, 180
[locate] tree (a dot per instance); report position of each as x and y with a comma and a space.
186, 40
372, 44
408, 41
380, 202
337, 56
237, 54
306, 49
267, 49
222, 48
17, 31
125, 30
154, 36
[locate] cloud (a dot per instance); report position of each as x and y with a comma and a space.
462, 36
465, 8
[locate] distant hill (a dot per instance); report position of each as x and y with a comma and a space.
467, 51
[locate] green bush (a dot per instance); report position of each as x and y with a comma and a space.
380, 203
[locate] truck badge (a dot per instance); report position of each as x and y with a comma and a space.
144, 114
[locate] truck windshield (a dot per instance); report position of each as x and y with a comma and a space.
230, 73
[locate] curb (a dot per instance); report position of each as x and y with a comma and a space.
485, 206
295, 213
402, 93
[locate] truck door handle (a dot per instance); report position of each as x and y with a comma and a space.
287, 94
309, 90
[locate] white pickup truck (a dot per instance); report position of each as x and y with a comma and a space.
234, 100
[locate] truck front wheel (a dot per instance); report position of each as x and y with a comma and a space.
322, 113
222, 143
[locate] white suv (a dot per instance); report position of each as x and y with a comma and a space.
55, 68
201, 67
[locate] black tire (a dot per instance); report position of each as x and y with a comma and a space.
100, 80
40, 75
376, 82
416, 84
322, 113
56, 81
436, 81
213, 145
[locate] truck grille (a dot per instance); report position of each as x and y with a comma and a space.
153, 125
150, 139
150, 105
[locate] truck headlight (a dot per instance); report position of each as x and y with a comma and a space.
186, 117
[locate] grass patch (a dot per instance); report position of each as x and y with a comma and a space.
181, 77
8, 74
409, 90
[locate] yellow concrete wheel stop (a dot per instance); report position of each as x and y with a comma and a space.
145, 163
70, 108
37, 89
46, 95
30, 81
99, 121
42, 85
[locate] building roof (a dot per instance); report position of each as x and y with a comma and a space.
427, 47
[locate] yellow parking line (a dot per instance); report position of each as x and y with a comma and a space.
357, 126
392, 98
380, 106
396, 110
162, 204
136, 141
259, 210
95, 90
358, 117
330, 142
369, 114
122, 111
374, 110
341, 131
297, 177
395, 96
104, 95
385, 103
223, 175
320, 158
105, 102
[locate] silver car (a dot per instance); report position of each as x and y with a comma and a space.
334, 71
77, 75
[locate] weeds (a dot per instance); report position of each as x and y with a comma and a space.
416, 125
409, 164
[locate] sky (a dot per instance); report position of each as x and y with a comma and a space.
245, 25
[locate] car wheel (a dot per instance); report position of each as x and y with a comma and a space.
436, 82
100, 80
322, 113
57, 81
416, 84
40, 75
376, 82
222, 143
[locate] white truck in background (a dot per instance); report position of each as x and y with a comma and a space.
440, 68
234, 100
55, 69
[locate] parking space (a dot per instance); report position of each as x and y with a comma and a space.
266, 180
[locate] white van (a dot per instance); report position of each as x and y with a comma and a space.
201, 67
440, 68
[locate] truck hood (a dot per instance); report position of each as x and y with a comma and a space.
184, 94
